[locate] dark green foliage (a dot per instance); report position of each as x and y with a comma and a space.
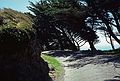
13, 40
105, 13
18, 58
50, 33
19, 53
105, 4
61, 24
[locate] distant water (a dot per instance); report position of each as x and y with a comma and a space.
101, 46
107, 47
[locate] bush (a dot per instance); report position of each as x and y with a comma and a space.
13, 40
18, 61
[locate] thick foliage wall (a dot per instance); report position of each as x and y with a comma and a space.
13, 40
18, 61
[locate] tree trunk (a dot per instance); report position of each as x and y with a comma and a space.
117, 22
111, 33
112, 45
108, 27
92, 47
60, 43
61, 47
73, 46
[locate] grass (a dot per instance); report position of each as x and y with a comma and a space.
113, 52
52, 63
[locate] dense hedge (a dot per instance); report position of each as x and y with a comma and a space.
13, 40
18, 61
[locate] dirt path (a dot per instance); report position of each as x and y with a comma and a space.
89, 69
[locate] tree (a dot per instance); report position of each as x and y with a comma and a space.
63, 12
104, 13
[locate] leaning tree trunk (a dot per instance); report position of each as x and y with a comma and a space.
112, 45
73, 46
92, 47
108, 27
111, 41
111, 33
117, 21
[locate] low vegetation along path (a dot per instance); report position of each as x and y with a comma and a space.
79, 67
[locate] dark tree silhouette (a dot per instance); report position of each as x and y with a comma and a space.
66, 24
106, 11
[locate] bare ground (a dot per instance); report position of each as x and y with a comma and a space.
90, 68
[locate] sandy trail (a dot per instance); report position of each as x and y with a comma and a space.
89, 70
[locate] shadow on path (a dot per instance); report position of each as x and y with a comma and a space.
97, 66
82, 58
112, 80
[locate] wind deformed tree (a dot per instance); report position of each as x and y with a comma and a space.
67, 24
105, 13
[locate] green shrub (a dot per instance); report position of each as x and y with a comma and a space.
13, 40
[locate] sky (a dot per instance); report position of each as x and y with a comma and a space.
21, 5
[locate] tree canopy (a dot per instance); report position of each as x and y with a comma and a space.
105, 14
65, 18
75, 21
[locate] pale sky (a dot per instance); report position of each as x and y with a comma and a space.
102, 45
19, 5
